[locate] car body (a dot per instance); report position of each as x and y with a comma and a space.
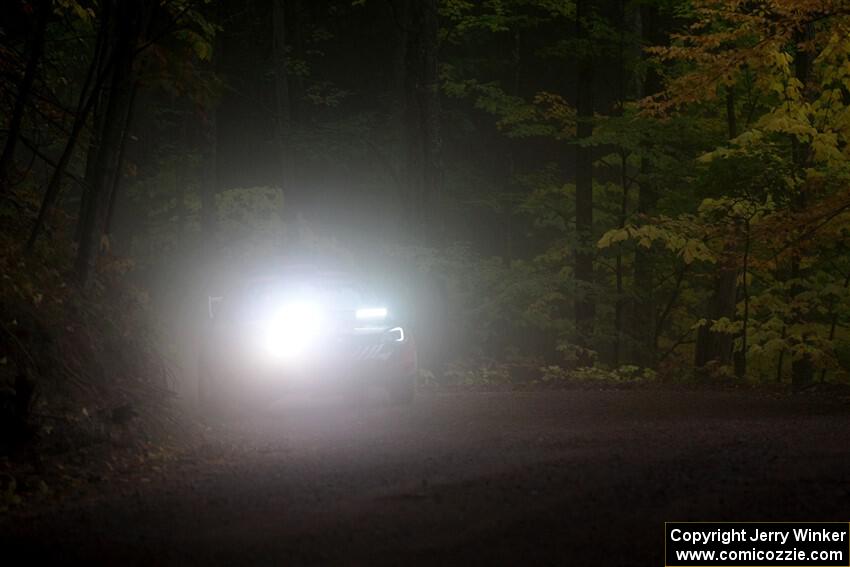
302, 330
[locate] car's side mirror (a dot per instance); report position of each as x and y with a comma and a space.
213, 305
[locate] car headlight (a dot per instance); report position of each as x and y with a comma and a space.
292, 328
373, 313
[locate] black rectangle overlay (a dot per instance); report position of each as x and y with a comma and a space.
757, 544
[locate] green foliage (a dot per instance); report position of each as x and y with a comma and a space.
487, 374
9, 497
739, 164
547, 115
497, 16
675, 236
747, 203
490, 299
626, 374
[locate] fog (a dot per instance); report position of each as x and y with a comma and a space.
419, 281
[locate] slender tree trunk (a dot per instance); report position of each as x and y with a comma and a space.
712, 346
130, 23
98, 72
620, 302
740, 357
209, 160
584, 305
644, 312
423, 169
802, 367
91, 161
833, 324
95, 137
291, 202
412, 123
400, 207
209, 182
662, 316
119, 166
296, 21
422, 107
35, 49
780, 358
507, 226
432, 196
620, 305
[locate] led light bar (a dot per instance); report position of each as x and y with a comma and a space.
371, 313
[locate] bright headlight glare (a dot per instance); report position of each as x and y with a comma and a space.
291, 329
371, 313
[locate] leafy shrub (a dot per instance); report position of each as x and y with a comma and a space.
623, 374
65, 350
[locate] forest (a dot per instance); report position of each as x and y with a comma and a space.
606, 245
616, 190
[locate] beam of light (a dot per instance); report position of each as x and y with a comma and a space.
371, 313
292, 329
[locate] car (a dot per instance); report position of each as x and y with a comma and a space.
302, 330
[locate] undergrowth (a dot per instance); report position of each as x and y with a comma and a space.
78, 368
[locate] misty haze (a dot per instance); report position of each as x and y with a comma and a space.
420, 282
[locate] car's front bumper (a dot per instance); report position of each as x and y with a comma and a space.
333, 364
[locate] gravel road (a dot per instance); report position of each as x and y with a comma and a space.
555, 477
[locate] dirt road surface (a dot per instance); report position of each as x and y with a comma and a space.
555, 477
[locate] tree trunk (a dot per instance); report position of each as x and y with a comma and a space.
423, 171
296, 21
643, 322
802, 367
209, 154
740, 356
422, 107
91, 161
712, 346
119, 166
398, 218
99, 70
584, 305
95, 137
620, 300
35, 49
833, 323
130, 21
780, 358
291, 202
620, 305
209, 181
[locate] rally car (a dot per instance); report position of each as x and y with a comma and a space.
302, 329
